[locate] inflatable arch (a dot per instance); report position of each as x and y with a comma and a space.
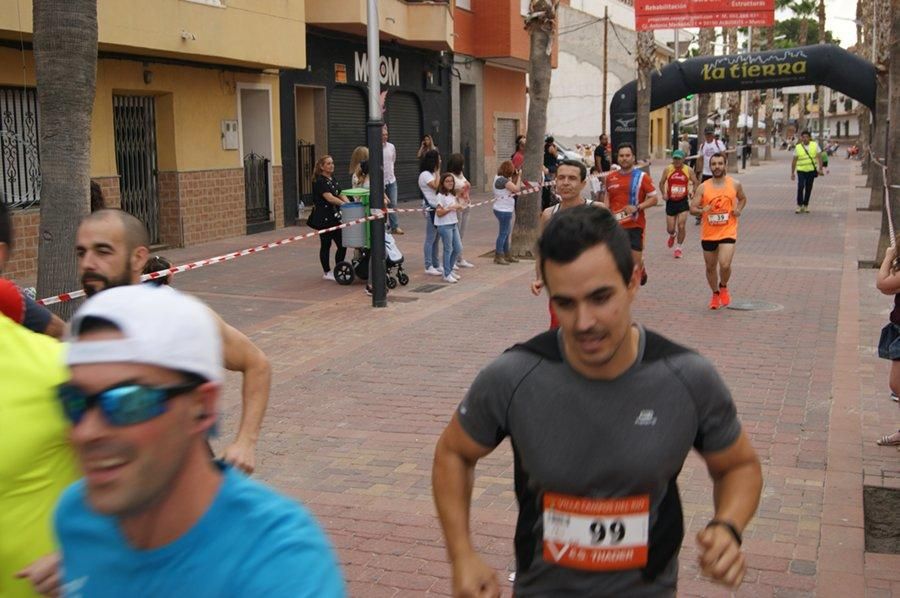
822, 64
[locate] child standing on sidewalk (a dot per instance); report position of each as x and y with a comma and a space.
446, 220
462, 187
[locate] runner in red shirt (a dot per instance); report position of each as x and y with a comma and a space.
629, 192
675, 185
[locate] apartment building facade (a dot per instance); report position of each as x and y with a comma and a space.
185, 130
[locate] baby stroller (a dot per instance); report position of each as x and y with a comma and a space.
358, 267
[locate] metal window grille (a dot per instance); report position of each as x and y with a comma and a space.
20, 170
256, 188
134, 121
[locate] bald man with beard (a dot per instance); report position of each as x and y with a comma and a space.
112, 248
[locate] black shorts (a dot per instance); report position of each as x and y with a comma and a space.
714, 245
674, 208
636, 238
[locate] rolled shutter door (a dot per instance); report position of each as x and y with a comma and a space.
404, 120
346, 129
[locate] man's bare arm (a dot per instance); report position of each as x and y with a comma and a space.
241, 355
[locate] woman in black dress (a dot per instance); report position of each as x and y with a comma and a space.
328, 199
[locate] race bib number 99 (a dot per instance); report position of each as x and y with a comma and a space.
718, 219
596, 534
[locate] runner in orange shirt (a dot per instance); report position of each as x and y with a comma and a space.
719, 201
629, 192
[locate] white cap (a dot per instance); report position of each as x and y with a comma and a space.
162, 327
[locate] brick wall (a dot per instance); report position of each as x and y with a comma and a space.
169, 213
211, 204
112, 195
195, 207
22, 265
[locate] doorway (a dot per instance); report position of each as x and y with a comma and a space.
311, 136
134, 125
468, 127
256, 149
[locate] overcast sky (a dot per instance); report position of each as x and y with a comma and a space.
843, 29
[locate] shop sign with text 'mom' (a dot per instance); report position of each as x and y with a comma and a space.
677, 14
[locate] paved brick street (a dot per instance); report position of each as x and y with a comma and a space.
360, 395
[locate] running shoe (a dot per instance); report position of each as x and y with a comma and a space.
894, 397
724, 296
715, 302
671, 241
678, 253
398, 231
369, 290
799, 210
450, 279
806, 209
465, 264
432, 271
328, 276
643, 277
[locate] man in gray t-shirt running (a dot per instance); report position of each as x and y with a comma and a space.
601, 415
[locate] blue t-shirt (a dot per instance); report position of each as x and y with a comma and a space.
251, 542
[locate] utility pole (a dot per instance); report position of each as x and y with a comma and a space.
605, 63
377, 275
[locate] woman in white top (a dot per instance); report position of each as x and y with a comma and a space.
429, 169
506, 185
446, 220
455, 167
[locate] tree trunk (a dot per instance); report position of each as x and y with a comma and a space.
882, 18
755, 99
893, 57
707, 37
528, 208
734, 108
819, 89
864, 49
804, 100
645, 47
770, 100
65, 56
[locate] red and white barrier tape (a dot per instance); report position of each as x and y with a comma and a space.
221, 258
377, 214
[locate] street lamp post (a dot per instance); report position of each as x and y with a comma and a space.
374, 126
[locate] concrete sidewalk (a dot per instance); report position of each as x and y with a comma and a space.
360, 395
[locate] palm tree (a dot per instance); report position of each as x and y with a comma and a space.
893, 60
863, 114
755, 99
646, 48
881, 17
733, 99
804, 9
820, 102
770, 100
540, 23
65, 56
706, 40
